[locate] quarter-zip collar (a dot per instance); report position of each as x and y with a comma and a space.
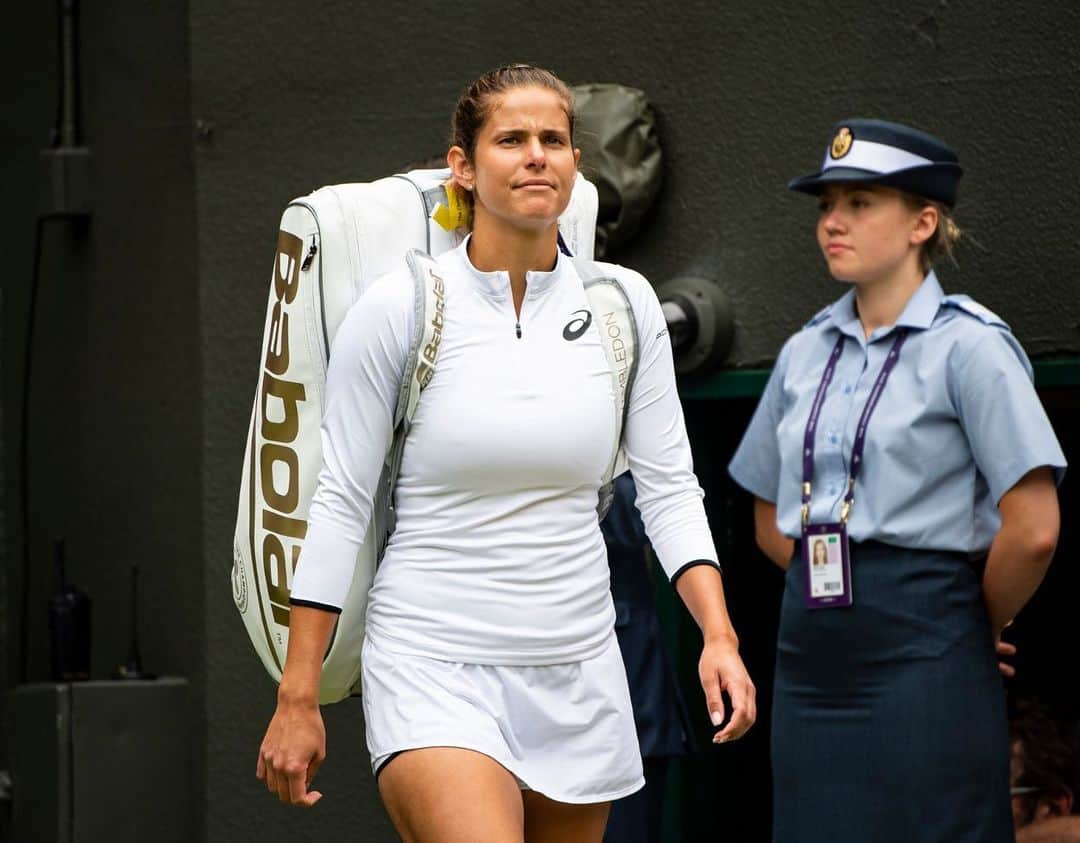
496, 285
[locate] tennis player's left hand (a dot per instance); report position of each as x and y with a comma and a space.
721, 669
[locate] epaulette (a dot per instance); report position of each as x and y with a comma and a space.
819, 317
973, 308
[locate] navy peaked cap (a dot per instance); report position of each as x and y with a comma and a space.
892, 154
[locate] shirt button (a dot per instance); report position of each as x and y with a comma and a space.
832, 439
847, 389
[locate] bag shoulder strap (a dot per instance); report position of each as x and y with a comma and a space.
430, 199
614, 317
429, 300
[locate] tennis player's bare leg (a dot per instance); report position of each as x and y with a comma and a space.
449, 795
548, 821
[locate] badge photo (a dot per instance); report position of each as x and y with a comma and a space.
828, 570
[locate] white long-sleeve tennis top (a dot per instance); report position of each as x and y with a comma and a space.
497, 557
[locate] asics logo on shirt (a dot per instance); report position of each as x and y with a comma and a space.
578, 325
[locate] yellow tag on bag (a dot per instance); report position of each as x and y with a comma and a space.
456, 213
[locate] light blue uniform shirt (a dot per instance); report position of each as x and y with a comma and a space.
959, 423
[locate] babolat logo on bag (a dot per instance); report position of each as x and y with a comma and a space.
279, 425
425, 369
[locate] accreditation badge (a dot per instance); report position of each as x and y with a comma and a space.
827, 565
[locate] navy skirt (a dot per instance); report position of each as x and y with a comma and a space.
889, 719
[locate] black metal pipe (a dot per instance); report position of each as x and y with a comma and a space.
69, 120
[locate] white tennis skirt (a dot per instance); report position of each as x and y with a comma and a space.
564, 730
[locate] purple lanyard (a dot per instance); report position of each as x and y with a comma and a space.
860, 431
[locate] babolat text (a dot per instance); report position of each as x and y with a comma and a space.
279, 402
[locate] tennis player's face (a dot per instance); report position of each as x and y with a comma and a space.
524, 165
866, 232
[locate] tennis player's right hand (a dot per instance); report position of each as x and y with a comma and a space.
292, 752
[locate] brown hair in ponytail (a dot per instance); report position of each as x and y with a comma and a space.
478, 100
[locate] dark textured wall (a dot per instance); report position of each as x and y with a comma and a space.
205, 119
29, 108
115, 432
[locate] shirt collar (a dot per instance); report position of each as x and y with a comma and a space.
923, 306
919, 312
496, 284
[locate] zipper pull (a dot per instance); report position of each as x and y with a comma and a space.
517, 327
311, 254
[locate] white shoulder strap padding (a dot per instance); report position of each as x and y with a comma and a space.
615, 321
332, 245
420, 367
423, 357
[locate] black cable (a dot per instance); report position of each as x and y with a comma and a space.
24, 474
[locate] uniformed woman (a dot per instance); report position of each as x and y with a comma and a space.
900, 427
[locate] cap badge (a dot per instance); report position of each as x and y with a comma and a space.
841, 144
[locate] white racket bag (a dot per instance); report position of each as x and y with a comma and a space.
332, 245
